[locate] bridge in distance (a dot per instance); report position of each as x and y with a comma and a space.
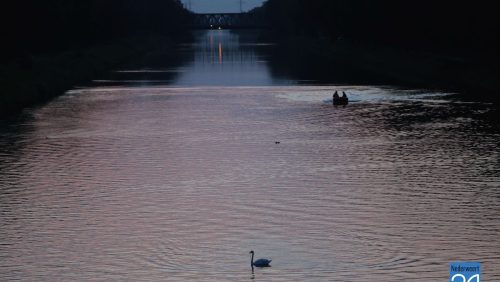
227, 21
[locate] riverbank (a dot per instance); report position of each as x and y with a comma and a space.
345, 62
34, 80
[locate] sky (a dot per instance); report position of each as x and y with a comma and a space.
221, 6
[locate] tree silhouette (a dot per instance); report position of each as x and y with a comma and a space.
425, 24
33, 26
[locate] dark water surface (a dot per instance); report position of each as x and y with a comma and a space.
173, 174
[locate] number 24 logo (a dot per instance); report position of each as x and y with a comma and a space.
464, 279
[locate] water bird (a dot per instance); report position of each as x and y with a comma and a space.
277, 142
260, 262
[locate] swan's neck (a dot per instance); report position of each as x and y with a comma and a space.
251, 262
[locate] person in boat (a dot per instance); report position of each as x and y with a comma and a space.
336, 97
344, 98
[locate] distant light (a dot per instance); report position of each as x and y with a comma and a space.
220, 27
211, 25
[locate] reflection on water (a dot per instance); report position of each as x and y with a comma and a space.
218, 57
178, 182
221, 58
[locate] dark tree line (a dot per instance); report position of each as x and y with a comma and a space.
39, 26
424, 24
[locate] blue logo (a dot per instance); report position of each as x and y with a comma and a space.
465, 272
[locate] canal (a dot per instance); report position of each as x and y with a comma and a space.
164, 173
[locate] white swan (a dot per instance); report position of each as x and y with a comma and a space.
259, 262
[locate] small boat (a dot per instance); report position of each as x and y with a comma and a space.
340, 101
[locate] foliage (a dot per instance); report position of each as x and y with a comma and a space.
35, 26
424, 24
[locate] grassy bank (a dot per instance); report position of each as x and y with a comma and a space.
449, 72
345, 62
34, 80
